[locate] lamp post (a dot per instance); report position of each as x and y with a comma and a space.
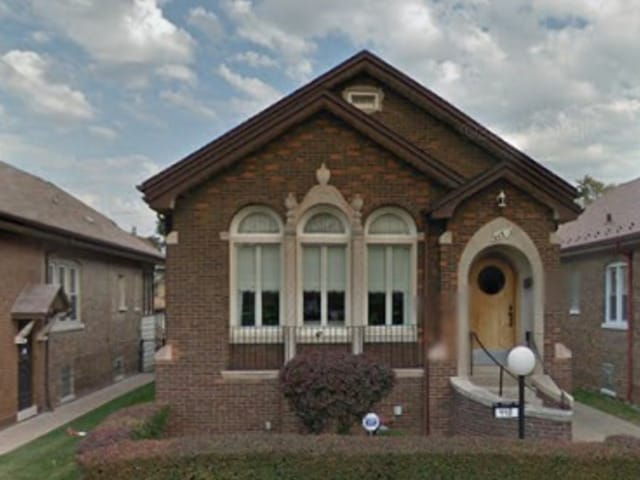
521, 361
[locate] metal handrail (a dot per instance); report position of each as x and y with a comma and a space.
474, 336
531, 343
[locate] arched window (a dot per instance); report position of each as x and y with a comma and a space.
323, 235
391, 267
256, 238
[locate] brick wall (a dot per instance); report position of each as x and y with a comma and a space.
90, 351
198, 266
21, 263
592, 345
475, 419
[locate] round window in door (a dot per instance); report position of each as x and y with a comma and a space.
491, 280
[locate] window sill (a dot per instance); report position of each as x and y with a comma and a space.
574, 311
610, 393
614, 326
67, 399
123, 309
67, 326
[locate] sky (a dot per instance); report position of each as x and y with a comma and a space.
96, 96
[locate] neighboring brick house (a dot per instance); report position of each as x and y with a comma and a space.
601, 257
361, 213
73, 288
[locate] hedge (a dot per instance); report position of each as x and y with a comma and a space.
283, 457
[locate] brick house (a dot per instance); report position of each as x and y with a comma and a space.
601, 258
362, 213
73, 288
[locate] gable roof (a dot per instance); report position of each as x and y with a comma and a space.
523, 179
33, 203
161, 189
611, 219
39, 301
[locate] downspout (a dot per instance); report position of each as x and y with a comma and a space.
630, 326
47, 394
425, 339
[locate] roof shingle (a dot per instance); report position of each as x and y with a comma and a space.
29, 198
612, 217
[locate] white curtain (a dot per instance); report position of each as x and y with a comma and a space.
270, 268
246, 273
336, 269
376, 270
401, 269
311, 268
324, 223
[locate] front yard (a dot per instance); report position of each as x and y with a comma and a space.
612, 406
53, 455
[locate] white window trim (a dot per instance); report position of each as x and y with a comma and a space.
617, 323
72, 395
575, 277
122, 293
68, 324
240, 333
319, 240
410, 239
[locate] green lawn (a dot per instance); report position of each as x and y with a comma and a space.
51, 457
609, 405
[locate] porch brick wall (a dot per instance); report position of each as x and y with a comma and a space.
477, 420
591, 344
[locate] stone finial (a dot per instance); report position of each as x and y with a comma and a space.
357, 202
291, 204
323, 174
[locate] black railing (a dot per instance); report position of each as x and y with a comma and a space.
473, 337
397, 346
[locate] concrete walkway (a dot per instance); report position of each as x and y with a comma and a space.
23, 432
592, 425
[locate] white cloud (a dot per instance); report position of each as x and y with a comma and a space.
258, 93
254, 59
119, 32
205, 21
26, 74
187, 102
178, 72
40, 36
100, 131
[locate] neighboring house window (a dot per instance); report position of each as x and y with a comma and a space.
122, 293
66, 274
147, 292
256, 237
616, 295
324, 268
574, 292
391, 238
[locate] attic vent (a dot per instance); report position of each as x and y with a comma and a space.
366, 98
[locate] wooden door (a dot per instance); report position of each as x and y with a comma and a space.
493, 303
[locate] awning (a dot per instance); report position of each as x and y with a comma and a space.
39, 301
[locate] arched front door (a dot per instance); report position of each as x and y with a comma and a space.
493, 310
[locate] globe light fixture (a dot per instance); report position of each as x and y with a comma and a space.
521, 361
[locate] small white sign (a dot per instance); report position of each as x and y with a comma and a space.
371, 422
505, 412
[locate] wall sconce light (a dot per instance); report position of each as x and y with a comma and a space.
397, 410
502, 199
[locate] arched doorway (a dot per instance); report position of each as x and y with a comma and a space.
501, 240
493, 309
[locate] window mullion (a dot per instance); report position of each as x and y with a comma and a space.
619, 299
258, 284
323, 286
388, 285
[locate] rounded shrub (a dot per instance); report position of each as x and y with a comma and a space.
333, 389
